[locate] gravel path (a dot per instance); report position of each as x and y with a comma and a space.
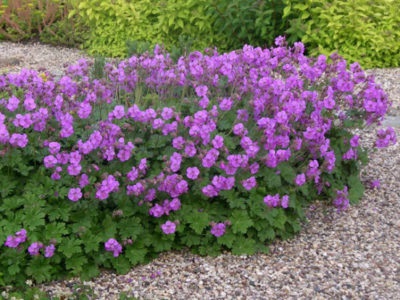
351, 255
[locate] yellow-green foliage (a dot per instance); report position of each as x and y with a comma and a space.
366, 31
113, 23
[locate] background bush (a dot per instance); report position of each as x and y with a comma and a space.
145, 23
45, 20
255, 23
364, 31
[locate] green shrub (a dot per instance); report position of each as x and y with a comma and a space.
364, 31
188, 20
112, 23
249, 22
143, 23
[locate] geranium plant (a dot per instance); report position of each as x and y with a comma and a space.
215, 152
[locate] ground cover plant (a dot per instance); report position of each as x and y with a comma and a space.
214, 152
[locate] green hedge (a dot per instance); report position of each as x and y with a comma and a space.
363, 30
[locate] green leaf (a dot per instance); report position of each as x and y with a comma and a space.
135, 254
356, 189
287, 172
240, 221
272, 179
130, 228
233, 199
76, 263
244, 245
198, 220
89, 271
163, 243
55, 231
7, 185
39, 269
91, 242
70, 246
227, 239
267, 234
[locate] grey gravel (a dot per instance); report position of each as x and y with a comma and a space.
349, 255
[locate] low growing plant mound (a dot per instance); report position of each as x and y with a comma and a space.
216, 152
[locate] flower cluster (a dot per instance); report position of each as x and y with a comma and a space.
113, 246
14, 241
21, 237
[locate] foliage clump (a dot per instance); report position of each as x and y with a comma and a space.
214, 152
45, 20
364, 31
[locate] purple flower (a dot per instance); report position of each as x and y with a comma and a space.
223, 183
113, 246
239, 129
133, 174
190, 149
281, 117
74, 194
84, 111
24, 121
49, 161
34, 248
151, 195
350, 154
225, 104
168, 227
192, 173
156, 211
75, 157
13, 103
209, 191
136, 189
285, 201
119, 112
341, 202
14, 241
218, 142
167, 113
142, 165
300, 179
271, 201
49, 251
125, 152
354, 141
175, 204
74, 169
201, 90
218, 229
375, 184
254, 167
249, 183
18, 140
175, 161
210, 158
178, 142
29, 103
83, 181
54, 147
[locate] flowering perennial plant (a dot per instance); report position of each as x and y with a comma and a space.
230, 146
